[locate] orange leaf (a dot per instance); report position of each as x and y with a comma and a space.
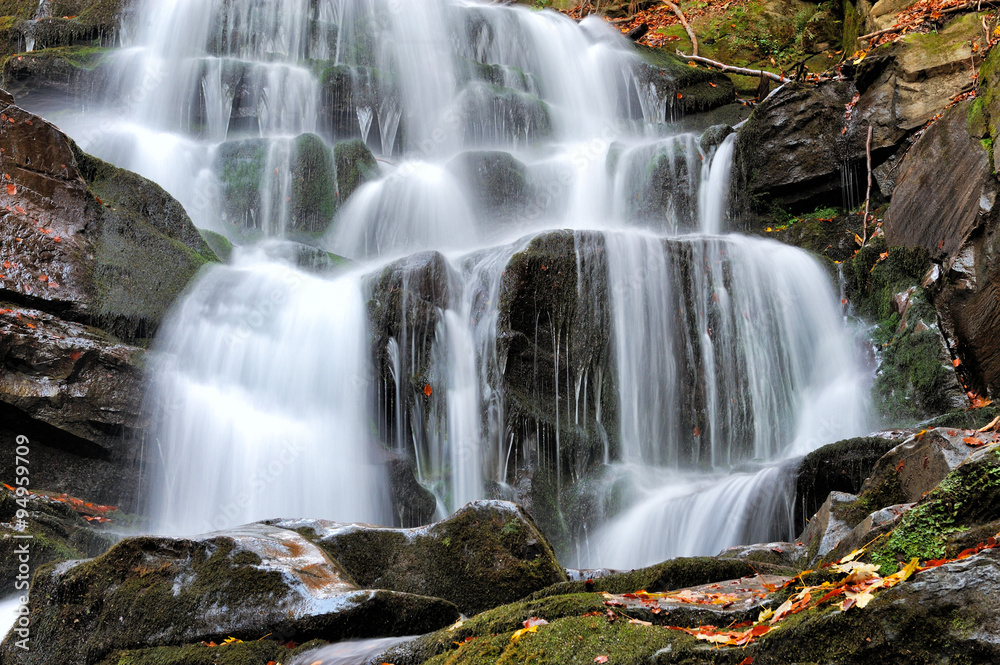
956, 362
11, 190
899, 467
601, 659
427, 390
747, 661
973, 441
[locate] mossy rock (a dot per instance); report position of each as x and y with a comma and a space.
484, 555
254, 652
667, 576
966, 418
66, 70
826, 232
243, 169
837, 467
969, 496
245, 583
57, 533
497, 180
355, 165
495, 115
146, 253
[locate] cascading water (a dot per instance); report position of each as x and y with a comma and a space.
495, 125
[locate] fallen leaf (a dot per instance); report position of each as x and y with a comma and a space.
11, 190
601, 659
518, 634
534, 621
428, 390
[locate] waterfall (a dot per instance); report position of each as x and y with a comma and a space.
543, 298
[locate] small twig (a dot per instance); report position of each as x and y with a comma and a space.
743, 71
680, 15
868, 194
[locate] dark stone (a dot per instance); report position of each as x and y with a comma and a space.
244, 583
66, 72
934, 208
497, 180
484, 555
355, 165
837, 467
680, 90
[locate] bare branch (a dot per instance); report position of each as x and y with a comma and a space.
680, 15
736, 70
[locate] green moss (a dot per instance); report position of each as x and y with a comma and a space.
218, 243
969, 495
255, 652
146, 252
314, 195
666, 576
474, 559
872, 281
355, 165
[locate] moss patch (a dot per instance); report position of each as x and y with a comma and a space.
355, 165
146, 253
970, 495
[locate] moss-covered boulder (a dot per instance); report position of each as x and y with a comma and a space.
67, 71
56, 532
277, 186
486, 554
494, 115
945, 520
93, 258
245, 583
498, 182
667, 576
355, 165
679, 90
837, 467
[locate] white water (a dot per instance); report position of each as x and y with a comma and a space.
724, 349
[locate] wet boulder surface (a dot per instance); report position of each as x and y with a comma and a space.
244, 583
93, 257
485, 554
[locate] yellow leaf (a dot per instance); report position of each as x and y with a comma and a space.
852, 556
902, 575
232, 640
640, 622
858, 239
861, 598
765, 615
518, 634
859, 56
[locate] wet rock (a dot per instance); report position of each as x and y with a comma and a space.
498, 181
667, 576
406, 303
939, 209
667, 89
968, 497
71, 71
6, 98
73, 377
486, 554
414, 504
867, 531
553, 306
93, 257
244, 583
779, 555
286, 185
355, 165
917, 465
501, 116
57, 533
838, 467
826, 529
916, 379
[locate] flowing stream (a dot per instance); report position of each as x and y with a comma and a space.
494, 126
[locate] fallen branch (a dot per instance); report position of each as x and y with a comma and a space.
680, 15
743, 71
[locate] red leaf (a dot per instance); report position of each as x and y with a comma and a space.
899, 467
747, 661
428, 390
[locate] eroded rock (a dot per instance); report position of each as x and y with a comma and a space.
486, 554
243, 583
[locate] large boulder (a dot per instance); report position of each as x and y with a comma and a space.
244, 583
93, 257
803, 142
486, 554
